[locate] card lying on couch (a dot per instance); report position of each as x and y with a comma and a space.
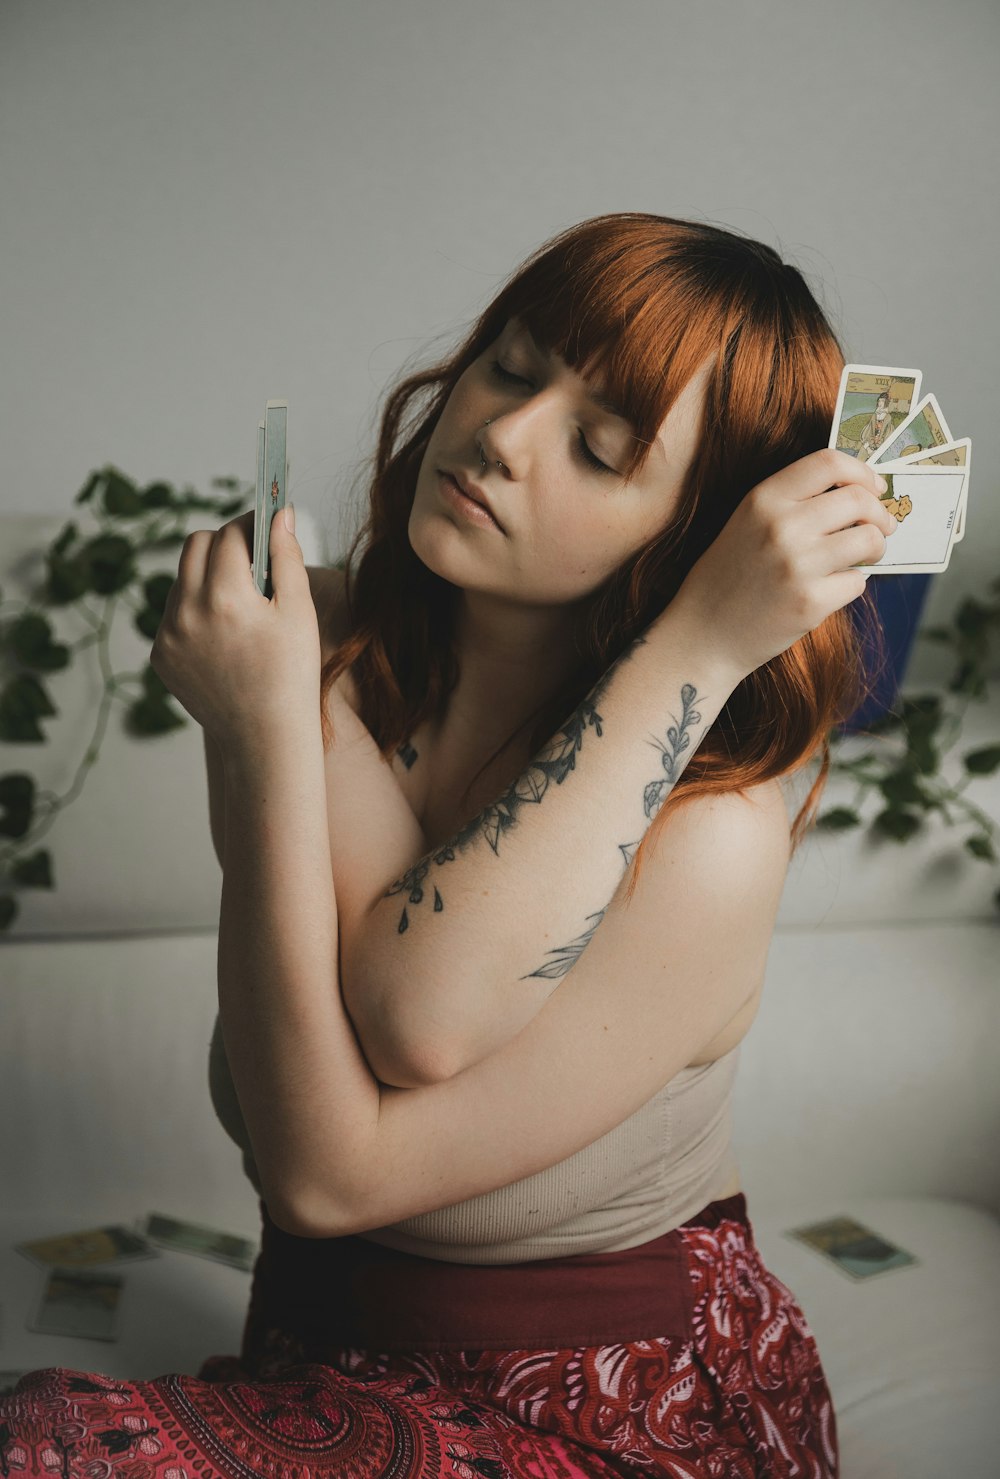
852, 1247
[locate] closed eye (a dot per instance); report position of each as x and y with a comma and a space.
507, 375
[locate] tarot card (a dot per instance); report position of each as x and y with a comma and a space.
82, 1249
853, 1248
78, 1301
924, 501
924, 428
206, 1242
871, 403
258, 520
952, 454
270, 489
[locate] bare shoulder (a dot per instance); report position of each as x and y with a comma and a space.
751, 826
726, 858
757, 813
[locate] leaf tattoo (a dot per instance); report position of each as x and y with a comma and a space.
656, 792
553, 764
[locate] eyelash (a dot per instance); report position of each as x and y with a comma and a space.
507, 375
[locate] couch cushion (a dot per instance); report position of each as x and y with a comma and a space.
912, 1355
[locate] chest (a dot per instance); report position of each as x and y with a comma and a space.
448, 784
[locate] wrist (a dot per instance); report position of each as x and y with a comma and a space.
692, 631
272, 745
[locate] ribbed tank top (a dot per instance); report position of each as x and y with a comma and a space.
642, 1179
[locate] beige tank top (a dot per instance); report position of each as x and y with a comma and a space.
640, 1180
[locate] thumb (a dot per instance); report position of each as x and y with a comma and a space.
284, 545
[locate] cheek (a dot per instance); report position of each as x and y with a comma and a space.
577, 553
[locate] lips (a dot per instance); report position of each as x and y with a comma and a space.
473, 491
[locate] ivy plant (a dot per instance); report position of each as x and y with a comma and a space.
901, 768
95, 573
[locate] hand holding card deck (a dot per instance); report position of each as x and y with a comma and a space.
881, 420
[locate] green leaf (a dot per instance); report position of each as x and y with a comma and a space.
982, 762
922, 715
838, 819
87, 491
29, 640
152, 716
122, 498
923, 754
17, 800
972, 618
900, 788
981, 846
22, 702
969, 680
34, 870
895, 824
157, 495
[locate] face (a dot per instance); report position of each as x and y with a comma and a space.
567, 518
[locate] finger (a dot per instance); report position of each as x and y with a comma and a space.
232, 549
820, 471
864, 545
840, 508
192, 568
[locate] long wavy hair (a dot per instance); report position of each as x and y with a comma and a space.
643, 300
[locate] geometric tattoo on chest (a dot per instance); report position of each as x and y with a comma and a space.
554, 763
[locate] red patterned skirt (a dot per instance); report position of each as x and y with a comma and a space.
684, 1357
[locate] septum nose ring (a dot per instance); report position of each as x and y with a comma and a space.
482, 455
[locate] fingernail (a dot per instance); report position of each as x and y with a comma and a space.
882, 484
290, 516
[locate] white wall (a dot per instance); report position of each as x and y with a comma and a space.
208, 204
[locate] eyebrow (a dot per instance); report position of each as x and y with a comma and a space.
599, 400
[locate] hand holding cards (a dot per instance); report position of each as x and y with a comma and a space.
880, 420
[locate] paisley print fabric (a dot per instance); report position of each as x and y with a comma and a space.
735, 1390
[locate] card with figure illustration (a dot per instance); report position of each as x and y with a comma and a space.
853, 1248
78, 1301
95, 1245
924, 502
206, 1242
924, 429
951, 454
272, 475
872, 402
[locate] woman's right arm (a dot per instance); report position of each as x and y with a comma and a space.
448, 955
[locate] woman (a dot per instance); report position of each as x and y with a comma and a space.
503, 1229
877, 429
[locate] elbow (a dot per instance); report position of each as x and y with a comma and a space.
399, 1066
306, 1219
397, 1056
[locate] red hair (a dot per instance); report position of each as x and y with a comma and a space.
643, 301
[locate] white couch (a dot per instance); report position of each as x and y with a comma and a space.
867, 1085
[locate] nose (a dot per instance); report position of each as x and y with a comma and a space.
484, 459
